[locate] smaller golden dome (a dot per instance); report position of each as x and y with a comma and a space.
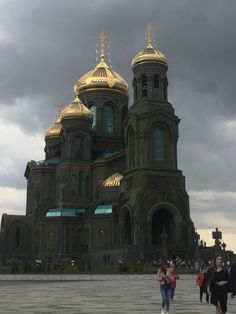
149, 54
113, 180
55, 129
76, 110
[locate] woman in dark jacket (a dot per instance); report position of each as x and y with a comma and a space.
219, 286
232, 280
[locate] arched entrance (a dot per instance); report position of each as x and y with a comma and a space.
162, 222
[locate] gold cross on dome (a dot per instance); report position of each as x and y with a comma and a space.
59, 108
149, 32
102, 39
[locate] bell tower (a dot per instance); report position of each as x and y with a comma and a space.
150, 81
154, 187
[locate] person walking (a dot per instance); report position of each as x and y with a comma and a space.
199, 281
164, 277
218, 287
174, 277
232, 280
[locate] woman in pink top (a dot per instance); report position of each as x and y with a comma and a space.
164, 277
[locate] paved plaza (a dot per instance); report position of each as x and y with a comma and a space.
90, 294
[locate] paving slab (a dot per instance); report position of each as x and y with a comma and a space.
100, 294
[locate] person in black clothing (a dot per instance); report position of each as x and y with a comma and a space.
218, 287
232, 280
207, 278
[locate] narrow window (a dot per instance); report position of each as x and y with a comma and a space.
73, 185
135, 89
80, 182
94, 112
86, 185
156, 81
78, 147
165, 88
108, 119
18, 237
131, 148
158, 144
144, 86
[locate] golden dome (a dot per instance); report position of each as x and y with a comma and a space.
113, 180
149, 54
102, 76
55, 129
76, 110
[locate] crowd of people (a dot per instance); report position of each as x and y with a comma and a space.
215, 281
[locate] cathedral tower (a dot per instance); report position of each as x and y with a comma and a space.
155, 202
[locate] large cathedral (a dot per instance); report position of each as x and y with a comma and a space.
109, 187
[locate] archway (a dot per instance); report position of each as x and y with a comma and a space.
162, 221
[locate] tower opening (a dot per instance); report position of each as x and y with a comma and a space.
162, 221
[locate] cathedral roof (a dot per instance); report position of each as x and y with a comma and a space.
150, 53
113, 180
102, 76
55, 129
76, 110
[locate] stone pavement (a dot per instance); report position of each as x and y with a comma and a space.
98, 294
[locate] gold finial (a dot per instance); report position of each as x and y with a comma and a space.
102, 39
149, 32
60, 107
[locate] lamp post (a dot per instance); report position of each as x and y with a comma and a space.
217, 236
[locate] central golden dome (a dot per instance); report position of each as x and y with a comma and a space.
102, 76
76, 110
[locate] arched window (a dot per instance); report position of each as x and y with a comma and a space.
108, 119
144, 86
131, 148
18, 241
156, 81
159, 144
86, 185
80, 182
135, 89
73, 185
78, 147
165, 88
94, 112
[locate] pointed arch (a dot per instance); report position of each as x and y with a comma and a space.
144, 86
78, 147
108, 118
156, 81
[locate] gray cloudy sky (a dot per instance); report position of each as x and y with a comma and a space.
46, 45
